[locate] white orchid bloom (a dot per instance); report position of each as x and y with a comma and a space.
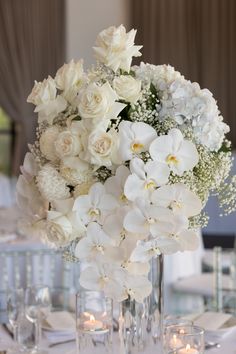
94, 245
137, 287
134, 138
145, 251
147, 219
113, 226
179, 198
103, 278
96, 205
145, 178
172, 149
115, 184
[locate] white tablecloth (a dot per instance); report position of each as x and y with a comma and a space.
228, 345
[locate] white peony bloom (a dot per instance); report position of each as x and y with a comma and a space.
145, 218
67, 144
97, 105
145, 178
76, 171
179, 198
44, 97
115, 185
94, 245
96, 205
127, 88
134, 138
51, 184
115, 48
172, 149
47, 141
101, 148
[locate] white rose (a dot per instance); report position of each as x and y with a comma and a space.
69, 78
100, 148
48, 104
127, 88
115, 48
67, 144
69, 75
97, 104
59, 230
43, 92
47, 141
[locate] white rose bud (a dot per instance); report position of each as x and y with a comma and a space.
115, 48
67, 144
47, 141
97, 105
127, 88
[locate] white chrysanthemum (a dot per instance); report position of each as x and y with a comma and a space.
51, 185
75, 171
47, 145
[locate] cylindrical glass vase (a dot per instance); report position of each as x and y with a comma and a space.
141, 325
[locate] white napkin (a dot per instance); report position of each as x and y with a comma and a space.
59, 327
217, 325
4, 237
211, 321
61, 321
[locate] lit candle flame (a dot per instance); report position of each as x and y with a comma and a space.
91, 318
181, 331
188, 347
174, 338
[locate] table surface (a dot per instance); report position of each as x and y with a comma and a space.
228, 345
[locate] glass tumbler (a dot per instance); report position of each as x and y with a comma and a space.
94, 322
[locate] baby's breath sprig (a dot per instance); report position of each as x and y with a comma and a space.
102, 174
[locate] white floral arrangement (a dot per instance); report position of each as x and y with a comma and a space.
124, 161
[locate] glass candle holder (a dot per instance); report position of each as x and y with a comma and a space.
184, 340
94, 322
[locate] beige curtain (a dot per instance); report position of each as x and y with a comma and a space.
197, 37
31, 47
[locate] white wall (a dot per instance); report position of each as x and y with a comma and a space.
86, 18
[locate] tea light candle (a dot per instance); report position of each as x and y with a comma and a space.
175, 342
92, 324
188, 350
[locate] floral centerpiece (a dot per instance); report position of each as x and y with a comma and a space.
124, 161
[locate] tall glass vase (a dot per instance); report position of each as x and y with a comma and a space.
141, 325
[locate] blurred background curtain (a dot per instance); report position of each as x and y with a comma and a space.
198, 38
32, 45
